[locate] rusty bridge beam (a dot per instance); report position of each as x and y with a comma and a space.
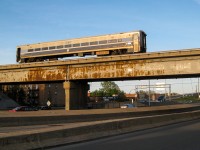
142, 66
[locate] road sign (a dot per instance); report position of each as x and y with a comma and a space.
48, 103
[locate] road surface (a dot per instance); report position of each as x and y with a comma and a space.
182, 136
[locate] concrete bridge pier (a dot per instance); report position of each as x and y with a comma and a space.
75, 94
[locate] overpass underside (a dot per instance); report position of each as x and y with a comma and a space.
76, 73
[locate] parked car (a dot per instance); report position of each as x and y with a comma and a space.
24, 108
44, 107
127, 106
143, 100
161, 98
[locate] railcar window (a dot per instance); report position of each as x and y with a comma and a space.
23, 51
30, 50
126, 39
52, 47
37, 49
85, 44
94, 43
112, 41
103, 42
45, 48
67, 46
60, 46
76, 45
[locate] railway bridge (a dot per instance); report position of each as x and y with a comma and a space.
76, 73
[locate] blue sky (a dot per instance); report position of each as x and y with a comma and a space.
169, 24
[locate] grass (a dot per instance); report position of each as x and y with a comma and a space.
188, 99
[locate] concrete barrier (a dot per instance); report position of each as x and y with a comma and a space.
66, 134
58, 119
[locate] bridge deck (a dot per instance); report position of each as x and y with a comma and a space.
141, 56
124, 67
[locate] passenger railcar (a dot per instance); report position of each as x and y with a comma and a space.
110, 44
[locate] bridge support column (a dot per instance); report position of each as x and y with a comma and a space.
42, 98
75, 94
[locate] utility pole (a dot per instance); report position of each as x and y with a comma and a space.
149, 94
198, 88
170, 92
165, 90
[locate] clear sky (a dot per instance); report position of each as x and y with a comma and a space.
169, 24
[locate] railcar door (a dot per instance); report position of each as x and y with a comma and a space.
143, 42
18, 55
136, 43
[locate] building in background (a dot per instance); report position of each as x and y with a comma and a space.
36, 94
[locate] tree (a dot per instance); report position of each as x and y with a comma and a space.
98, 93
109, 89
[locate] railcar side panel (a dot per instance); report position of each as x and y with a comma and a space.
111, 44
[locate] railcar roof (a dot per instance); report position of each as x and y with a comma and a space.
82, 38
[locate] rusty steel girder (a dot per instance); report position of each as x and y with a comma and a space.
137, 68
40, 74
142, 66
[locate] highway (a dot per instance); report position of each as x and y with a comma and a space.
181, 136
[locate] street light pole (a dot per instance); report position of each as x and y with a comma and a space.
149, 94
